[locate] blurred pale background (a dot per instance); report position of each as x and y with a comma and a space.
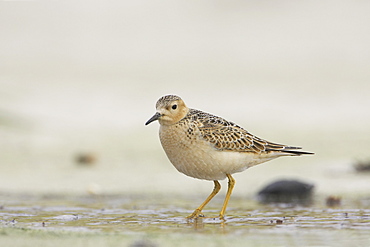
82, 76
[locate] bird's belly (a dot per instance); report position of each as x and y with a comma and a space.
196, 158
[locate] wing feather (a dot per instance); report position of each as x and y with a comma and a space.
227, 136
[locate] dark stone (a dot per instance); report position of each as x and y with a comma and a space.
286, 191
362, 166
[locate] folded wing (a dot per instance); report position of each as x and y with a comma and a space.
227, 136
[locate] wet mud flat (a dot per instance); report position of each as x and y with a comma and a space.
134, 220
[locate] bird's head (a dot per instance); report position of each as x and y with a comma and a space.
170, 110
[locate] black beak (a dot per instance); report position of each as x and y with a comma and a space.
155, 117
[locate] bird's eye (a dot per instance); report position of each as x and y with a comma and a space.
174, 107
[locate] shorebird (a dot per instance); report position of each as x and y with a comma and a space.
205, 146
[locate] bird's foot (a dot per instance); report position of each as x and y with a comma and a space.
196, 214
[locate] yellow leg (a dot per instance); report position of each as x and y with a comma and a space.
228, 194
197, 211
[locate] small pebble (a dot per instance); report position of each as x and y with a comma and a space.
94, 189
86, 159
142, 243
279, 222
333, 201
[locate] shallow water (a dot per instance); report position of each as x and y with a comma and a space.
161, 219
